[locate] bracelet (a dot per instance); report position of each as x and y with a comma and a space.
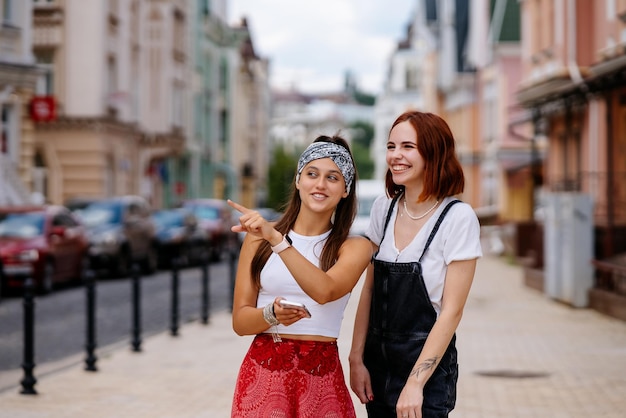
268, 314
270, 318
283, 245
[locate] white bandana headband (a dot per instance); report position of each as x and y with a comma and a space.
337, 153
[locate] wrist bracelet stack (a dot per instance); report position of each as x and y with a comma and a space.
270, 318
268, 314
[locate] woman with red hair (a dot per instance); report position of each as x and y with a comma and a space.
403, 361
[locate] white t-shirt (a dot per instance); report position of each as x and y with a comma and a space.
458, 238
276, 280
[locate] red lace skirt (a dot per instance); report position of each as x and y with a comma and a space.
291, 379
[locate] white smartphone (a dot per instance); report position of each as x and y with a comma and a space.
294, 305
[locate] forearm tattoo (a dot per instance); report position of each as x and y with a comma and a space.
428, 364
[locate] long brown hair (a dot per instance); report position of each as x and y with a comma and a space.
443, 174
344, 216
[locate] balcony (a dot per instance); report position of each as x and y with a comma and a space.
10, 40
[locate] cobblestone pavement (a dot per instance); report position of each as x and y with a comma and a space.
521, 354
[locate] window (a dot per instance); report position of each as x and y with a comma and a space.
45, 61
411, 76
7, 11
7, 129
177, 105
112, 76
206, 7
179, 31
223, 76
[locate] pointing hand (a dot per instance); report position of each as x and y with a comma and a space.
253, 223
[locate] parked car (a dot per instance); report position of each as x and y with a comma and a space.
46, 243
121, 231
269, 214
77, 204
178, 234
215, 217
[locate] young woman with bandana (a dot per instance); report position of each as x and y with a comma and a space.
292, 367
403, 361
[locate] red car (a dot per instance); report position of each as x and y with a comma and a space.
46, 243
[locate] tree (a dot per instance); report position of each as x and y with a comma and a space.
363, 161
364, 98
362, 137
281, 175
362, 133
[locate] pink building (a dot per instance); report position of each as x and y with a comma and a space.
574, 85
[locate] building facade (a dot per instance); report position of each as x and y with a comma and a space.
206, 168
226, 153
505, 140
574, 82
116, 73
411, 81
18, 83
461, 61
249, 147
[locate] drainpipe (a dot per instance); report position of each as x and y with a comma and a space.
535, 160
575, 76
574, 72
572, 65
610, 200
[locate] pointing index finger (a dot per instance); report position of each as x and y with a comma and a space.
237, 206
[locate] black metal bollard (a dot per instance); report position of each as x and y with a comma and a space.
232, 269
175, 290
90, 344
29, 380
205, 291
136, 331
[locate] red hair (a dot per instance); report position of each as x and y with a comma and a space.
443, 174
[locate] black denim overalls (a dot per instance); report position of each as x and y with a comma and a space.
401, 316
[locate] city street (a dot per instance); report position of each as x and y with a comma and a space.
60, 320
126, 126
521, 354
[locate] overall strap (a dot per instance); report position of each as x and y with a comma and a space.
436, 227
393, 202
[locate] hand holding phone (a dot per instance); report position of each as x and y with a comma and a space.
294, 305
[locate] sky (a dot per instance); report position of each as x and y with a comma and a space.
312, 43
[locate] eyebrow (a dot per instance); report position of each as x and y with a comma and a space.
329, 171
403, 142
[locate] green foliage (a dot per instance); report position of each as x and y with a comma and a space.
364, 98
281, 174
363, 161
362, 133
362, 138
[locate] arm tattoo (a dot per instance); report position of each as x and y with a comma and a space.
423, 367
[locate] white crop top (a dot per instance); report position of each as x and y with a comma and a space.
276, 280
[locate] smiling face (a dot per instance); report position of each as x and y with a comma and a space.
403, 158
321, 185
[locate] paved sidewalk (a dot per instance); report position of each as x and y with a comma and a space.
521, 355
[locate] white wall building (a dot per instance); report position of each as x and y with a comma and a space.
18, 79
298, 119
117, 73
410, 83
